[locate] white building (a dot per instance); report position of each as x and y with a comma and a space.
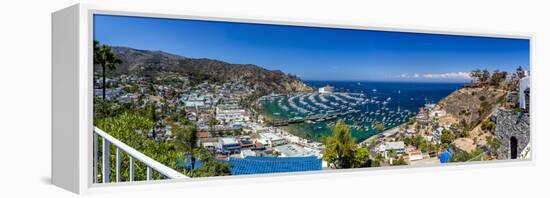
437, 135
292, 150
415, 155
410, 132
326, 89
438, 113
246, 153
385, 148
271, 139
231, 113
523, 86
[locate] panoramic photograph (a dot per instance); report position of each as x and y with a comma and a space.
177, 98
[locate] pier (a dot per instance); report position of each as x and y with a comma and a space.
311, 118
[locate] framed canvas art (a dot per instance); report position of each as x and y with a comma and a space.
156, 98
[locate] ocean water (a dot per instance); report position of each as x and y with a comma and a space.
359, 104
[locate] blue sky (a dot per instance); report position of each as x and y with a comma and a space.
319, 53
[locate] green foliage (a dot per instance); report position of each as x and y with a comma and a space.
419, 142
462, 156
104, 56
482, 98
212, 121
447, 137
131, 88
480, 76
179, 117
399, 162
340, 147
377, 160
197, 77
104, 109
494, 143
186, 141
498, 77
463, 133
379, 126
362, 157
210, 166
132, 129
488, 125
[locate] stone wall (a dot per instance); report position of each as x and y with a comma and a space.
511, 124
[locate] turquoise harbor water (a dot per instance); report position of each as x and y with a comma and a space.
359, 104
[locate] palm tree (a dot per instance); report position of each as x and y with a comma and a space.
212, 122
104, 56
186, 140
153, 108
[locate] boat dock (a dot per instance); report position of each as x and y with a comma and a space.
311, 118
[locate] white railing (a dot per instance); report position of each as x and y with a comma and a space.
132, 153
526, 151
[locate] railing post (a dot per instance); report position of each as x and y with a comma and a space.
117, 169
131, 168
106, 161
96, 157
149, 173
150, 164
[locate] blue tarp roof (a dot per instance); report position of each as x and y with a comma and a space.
445, 157
260, 165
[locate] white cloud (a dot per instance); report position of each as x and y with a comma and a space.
409, 75
440, 76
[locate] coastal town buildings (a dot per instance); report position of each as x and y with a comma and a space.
423, 117
230, 145
236, 133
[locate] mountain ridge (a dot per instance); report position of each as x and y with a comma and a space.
146, 62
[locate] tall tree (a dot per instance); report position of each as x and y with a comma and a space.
186, 140
104, 56
340, 147
485, 75
152, 106
475, 74
498, 77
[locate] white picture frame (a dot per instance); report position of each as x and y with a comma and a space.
72, 96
